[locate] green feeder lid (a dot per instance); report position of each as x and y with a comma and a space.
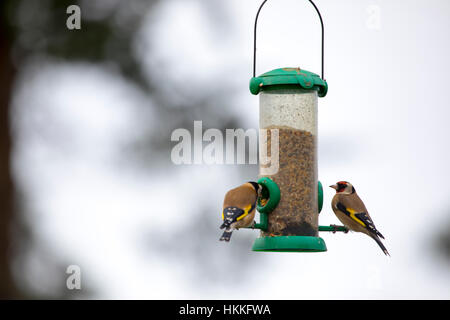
290, 77
289, 244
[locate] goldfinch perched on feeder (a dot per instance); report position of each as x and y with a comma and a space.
239, 208
352, 212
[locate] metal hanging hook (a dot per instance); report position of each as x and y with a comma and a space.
254, 37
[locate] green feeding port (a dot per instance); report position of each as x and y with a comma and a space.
270, 195
320, 196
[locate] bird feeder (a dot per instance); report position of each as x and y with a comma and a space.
292, 196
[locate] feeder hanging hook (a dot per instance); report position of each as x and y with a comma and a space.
254, 37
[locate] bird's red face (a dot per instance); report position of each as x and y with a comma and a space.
341, 186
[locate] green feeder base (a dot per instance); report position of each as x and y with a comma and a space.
289, 244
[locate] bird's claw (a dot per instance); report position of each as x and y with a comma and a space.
335, 227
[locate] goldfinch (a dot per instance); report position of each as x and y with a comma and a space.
239, 208
352, 212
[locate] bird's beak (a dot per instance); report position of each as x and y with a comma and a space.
334, 186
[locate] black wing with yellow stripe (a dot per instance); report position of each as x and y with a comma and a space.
234, 214
362, 218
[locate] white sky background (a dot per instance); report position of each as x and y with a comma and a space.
383, 126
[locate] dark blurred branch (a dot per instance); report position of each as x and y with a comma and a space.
442, 241
108, 38
7, 288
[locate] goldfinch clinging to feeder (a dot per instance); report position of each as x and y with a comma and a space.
239, 208
352, 212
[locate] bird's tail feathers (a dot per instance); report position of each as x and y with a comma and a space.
226, 224
226, 236
381, 245
380, 235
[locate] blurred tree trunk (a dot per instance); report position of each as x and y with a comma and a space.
7, 288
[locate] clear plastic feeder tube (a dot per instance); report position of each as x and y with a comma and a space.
289, 115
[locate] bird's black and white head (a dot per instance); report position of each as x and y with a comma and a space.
257, 187
343, 187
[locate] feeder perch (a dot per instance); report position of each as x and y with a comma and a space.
292, 196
